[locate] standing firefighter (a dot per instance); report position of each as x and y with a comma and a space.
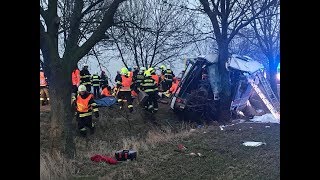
44, 93
95, 79
149, 86
124, 85
138, 79
85, 104
85, 77
168, 76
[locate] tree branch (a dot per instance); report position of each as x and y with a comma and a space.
236, 30
99, 34
90, 7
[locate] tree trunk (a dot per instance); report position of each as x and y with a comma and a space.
273, 75
224, 114
61, 130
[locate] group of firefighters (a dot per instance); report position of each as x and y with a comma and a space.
128, 85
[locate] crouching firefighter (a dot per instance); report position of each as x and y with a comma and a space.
149, 86
124, 85
85, 105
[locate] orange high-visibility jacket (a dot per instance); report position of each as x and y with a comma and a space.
76, 77
174, 87
43, 81
126, 81
83, 104
106, 92
156, 78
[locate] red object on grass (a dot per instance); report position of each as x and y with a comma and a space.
181, 147
99, 158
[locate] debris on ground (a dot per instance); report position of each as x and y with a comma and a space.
266, 118
101, 158
253, 143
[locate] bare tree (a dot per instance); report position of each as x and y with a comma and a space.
68, 31
151, 32
227, 18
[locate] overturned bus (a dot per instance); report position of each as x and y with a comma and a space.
197, 96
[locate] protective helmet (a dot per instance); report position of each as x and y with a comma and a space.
41, 69
129, 69
168, 67
142, 69
162, 67
135, 67
147, 73
124, 71
82, 88
85, 65
151, 70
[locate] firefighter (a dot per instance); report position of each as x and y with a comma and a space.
85, 105
106, 91
85, 77
44, 92
75, 80
174, 86
139, 78
162, 78
168, 77
95, 79
103, 79
124, 86
149, 86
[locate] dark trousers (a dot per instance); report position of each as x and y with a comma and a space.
152, 100
88, 87
166, 85
127, 96
84, 122
96, 91
74, 89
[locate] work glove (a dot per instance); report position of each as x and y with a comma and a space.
96, 114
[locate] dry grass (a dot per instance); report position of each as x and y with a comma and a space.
55, 166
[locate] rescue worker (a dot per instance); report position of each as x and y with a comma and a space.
44, 92
168, 77
106, 91
85, 105
174, 86
95, 79
103, 79
85, 77
75, 80
149, 86
162, 78
139, 78
124, 85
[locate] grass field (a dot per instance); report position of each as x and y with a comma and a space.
156, 139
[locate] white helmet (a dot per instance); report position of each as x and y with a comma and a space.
168, 67
85, 64
82, 88
142, 69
